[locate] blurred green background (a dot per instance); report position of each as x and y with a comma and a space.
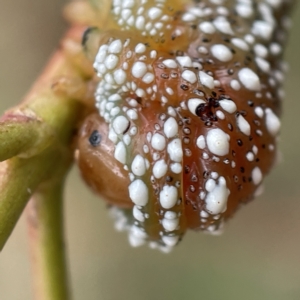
258, 257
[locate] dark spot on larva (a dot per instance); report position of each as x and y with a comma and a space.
169, 178
230, 71
250, 103
164, 76
240, 187
242, 169
95, 138
239, 142
235, 178
187, 120
194, 178
187, 169
184, 87
174, 75
233, 153
230, 127
198, 92
205, 174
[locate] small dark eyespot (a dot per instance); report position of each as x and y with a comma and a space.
95, 138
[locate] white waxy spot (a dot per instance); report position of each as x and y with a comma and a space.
272, 122
140, 23
243, 125
160, 169
132, 114
259, 111
214, 175
260, 50
221, 52
239, 43
218, 142
170, 241
188, 17
263, 64
138, 166
249, 79
207, 27
137, 237
275, 49
250, 156
223, 25
193, 104
170, 224
127, 139
138, 215
153, 54
201, 142
184, 61
204, 214
255, 150
206, 80
171, 111
112, 136
220, 114
210, 185
111, 61
170, 127
175, 150
235, 85
256, 175
120, 124
189, 76
139, 69
228, 105
148, 78
158, 142
262, 29
120, 153
216, 200
115, 47
154, 13
168, 196
170, 63
138, 192
120, 76
176, 168
169, 91
140, 48
244, 9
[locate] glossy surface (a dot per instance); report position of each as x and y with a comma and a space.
191, 94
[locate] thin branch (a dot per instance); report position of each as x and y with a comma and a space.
45, 224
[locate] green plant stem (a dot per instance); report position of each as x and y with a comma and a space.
53, 117
45, 223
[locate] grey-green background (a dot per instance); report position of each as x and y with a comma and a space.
258, 257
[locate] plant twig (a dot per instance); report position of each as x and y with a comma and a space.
45, 223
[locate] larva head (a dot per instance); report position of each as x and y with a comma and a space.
94, 157
192, 125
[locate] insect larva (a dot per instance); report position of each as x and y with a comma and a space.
189, 103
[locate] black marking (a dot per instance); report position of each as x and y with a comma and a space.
95, 138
